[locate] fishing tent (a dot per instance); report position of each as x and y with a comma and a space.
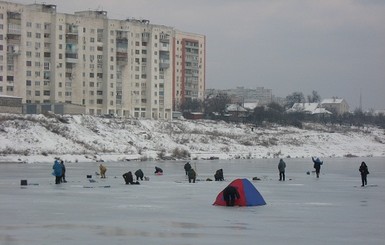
249, 195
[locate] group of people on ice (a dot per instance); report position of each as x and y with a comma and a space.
59, 171
363, 169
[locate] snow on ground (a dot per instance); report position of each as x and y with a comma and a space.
36, 138
333, 209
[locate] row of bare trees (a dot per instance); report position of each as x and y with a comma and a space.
276, 113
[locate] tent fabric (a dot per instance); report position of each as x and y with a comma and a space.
249, 195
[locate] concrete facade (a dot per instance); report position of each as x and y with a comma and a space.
121, 67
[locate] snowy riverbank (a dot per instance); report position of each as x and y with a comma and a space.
36, 138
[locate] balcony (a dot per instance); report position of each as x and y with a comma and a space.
71, 58
164, 63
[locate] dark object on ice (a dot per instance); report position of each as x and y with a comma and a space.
213, 158
23, 182
92, 180
308, 172
256, 178
219, 175
208, 179
89, 176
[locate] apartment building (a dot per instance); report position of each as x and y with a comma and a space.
189, 67
124, 67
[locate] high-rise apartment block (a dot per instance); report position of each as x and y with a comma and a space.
129, 67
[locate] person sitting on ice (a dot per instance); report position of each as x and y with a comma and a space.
158, 170
219, 175
230, 195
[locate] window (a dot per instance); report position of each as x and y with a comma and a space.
47, 92
99, 101
29, 63
37, 93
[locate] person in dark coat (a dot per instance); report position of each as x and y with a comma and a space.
63, 175
281, 169
57, 171
317, 165
139, 174
218, 176
364, 173
187, 167
158, 170
128, 178
230, 195
191, 175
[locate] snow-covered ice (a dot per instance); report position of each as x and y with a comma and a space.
333, 209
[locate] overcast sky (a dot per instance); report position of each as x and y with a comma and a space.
335, 47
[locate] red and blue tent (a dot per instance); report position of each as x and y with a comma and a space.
249, 195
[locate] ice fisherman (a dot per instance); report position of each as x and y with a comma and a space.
187, 167
57, 171
191, 175
103, 171
230, 195
158, 170
63, 175
218, 176
317, 165
129, 179
139, 174
281, 169
364, 173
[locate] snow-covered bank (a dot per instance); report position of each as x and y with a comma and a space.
36, 138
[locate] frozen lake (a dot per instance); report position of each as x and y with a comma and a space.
333, 209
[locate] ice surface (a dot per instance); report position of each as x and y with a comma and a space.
333, 209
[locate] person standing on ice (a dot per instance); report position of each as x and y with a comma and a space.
191, 175
103, 171
63, 175
230, 195
281, 169
364, 173
187, 167
317, 165
57, 171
